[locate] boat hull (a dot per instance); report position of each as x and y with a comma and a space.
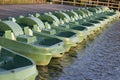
36, 53
14, 66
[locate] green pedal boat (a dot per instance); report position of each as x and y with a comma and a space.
70, 38
63, 21
59, 23
14, 66
93, 19
75, 16
40, 49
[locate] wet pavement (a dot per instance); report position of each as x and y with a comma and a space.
96, 59
16, 10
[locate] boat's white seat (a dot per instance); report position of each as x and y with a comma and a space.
36, 28
13, 36
47, 25
28, 31
10, 35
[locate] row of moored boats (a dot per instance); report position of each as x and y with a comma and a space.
35, 39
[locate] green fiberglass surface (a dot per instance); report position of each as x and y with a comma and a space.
52, 33
37, 47
14, 66
49, 30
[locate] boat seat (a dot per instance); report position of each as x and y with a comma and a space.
61, 21
10, 35
47, 25
36, 28
12, 18
55, 23
66, 20
48, 29
28, 31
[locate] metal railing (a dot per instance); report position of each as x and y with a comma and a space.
110, 3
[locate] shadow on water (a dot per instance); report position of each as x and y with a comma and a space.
56, 66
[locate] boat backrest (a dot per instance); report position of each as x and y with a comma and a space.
14, 27
55, 18
10, 35
28, 31
67, 16
38, 22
